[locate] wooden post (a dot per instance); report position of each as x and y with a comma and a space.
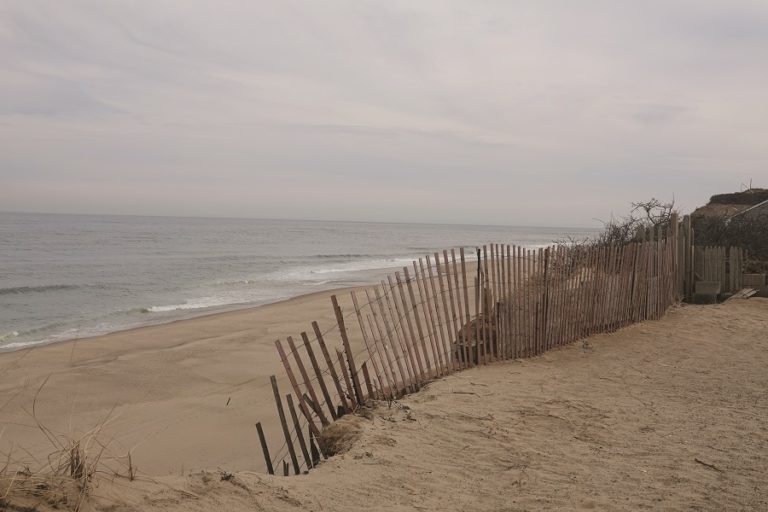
310, 403
419, 329
467, 316
389, 371
387, 386
457, 287
520, 302
429, 319
487, 335
411, 343
497, 317
531, 299
546, 301
503, 300
403, 375
307, 381
299, 431
284, 424
493, 314
556, 266
347, 349
345, 372
532, 281
479, 334
403, 355
689, 257
538, 266
265, 449
445, 349
331, 368
507, 298
295, 385
367, 342
622, 286
523, 313
449, 321
452, 301
606, 287
319, 375
367, 378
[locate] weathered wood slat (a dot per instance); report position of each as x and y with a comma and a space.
265, 449
284, 425
295, 385
429, 319
331, 368
347, 349
307, 382
299, 431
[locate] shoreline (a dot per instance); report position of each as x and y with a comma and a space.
223, 310
365, 277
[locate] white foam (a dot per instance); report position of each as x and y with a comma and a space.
7, 335
314, 274
228, 299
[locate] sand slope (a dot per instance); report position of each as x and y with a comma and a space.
667, 415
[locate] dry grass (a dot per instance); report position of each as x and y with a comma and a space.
340, 436
65, 479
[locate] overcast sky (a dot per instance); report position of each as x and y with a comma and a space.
508, 112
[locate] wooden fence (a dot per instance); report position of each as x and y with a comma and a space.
706, 263
722, 264
454, 310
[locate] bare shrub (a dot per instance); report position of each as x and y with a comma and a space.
64, 480
644, 216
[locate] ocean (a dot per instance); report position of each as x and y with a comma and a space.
71, 276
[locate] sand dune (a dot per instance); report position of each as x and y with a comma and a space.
666, 415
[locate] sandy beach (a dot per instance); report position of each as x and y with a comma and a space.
662, 415
181, 397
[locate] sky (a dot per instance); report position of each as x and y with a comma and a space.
550, 113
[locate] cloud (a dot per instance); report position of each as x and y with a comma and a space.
432, 111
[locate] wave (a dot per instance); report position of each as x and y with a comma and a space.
7, 335
6, 343
214, 302
33, 289
312, 273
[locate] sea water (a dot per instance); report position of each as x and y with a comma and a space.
71, 276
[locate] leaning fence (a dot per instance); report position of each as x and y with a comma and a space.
458, 309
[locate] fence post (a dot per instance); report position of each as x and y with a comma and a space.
295, 385
347, 349
284, 424
331, 367
299, 431
265, 449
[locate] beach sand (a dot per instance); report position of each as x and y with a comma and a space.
181, 397
662, 415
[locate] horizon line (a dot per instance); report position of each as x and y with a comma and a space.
294, 219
